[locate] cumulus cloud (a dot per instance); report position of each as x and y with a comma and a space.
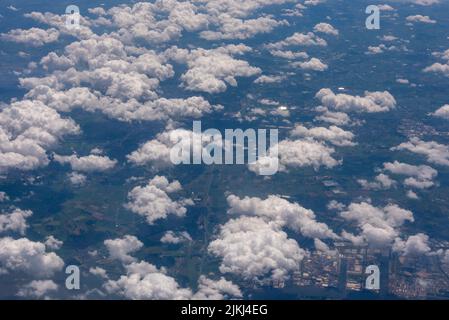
234, 28
253, 248
437, 67
100, 272
52, 243
59, 22
381, 48
145, 281
27, 129
325, 28
425, 2
414, 245
157, 152
121, 248
420, 18
221, 289
335, 205
370, 102
288, 54
285, 213
381, 181
298, 39
303, 153
420, 177
379, 226
153, 202
336, 118
77, 179
37, 289
88, 163
35, 36
313, 2
412, 195
212, 70
15, 221
101, 73
28, 256
290, 154
313, 64
386, 7
333, 134
176, 237
269, 79
434, 152
442, 112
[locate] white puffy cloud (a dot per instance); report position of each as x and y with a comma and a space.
437, 67
253, 248
333, 134
325, 28
212, 70
216, 289
386, 7
120, 248
27, 129
52, 243
59, 22
435, 152
313, 64
269, 79
298, 39
151, 110
379, 226
88, 163
289, 154
236, 8
156, 152
140, 21
28, 256
425, 2
335, 205
336, 118
77, 179
414, 245
412, 195
313, 2
442, 112
145, 281
35, 36
175, 237
420, 18
98, 271
321, 246
303, 153
419, 176
381, 48
370, 102
101, 73
233, 28
381, 181
285, 213
37, 289
153, 202
15, 221
288, 54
